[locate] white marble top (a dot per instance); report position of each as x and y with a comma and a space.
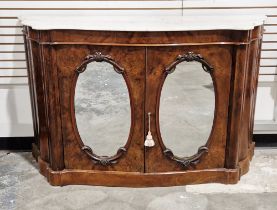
144, 23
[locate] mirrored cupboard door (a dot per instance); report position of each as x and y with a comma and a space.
102, 106
184, 86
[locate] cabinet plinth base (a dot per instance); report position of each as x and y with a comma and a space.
136, 179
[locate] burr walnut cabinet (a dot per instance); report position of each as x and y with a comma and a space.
142, 105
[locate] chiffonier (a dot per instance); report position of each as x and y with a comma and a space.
143, 101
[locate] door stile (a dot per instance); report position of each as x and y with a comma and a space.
154, 157
144, 110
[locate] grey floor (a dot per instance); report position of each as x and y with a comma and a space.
22, 187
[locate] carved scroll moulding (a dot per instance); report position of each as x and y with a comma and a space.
186, 111
102, 108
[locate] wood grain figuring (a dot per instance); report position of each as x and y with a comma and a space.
53, 57
132, 60
99, 57
248, 108
221, 76
236, 106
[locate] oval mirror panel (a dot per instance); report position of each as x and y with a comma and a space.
102, 108
187, 106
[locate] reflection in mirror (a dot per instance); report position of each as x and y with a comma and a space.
102, 108
187, 106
